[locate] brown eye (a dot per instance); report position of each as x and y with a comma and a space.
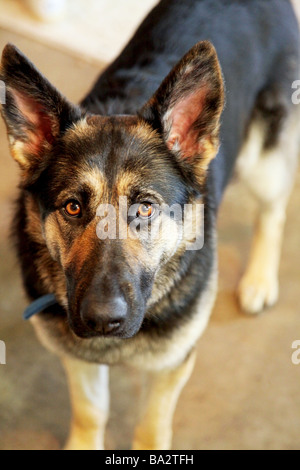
73, 209
146, 210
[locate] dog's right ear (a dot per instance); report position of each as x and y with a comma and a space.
35, 113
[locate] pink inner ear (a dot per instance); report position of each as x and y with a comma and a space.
183, 116
36, 116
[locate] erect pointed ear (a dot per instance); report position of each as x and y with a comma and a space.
187, 108
35, 113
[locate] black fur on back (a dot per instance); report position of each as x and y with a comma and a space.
257, 42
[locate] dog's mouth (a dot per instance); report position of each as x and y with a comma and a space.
83, 333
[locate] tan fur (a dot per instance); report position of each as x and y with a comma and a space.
18, 154
81, 248
125, 181
259, 286
86, 129
81, 128
269, 175
88, 384
54, 236
209, 150
95, 179
144, 132
154, 431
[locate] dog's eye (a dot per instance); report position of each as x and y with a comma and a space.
146, 210
73, 209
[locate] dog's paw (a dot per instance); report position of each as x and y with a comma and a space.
257, 292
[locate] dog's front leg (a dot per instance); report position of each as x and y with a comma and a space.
154, 431
89, 390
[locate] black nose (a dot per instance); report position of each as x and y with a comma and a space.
105, 318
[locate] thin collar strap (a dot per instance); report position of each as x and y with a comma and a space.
39, 305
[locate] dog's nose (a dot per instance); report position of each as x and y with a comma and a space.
104, 318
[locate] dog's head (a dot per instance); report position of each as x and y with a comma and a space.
96, 186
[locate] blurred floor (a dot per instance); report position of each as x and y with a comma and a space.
103, 30
244, 392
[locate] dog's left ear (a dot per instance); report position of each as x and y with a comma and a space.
187, 108
35, 113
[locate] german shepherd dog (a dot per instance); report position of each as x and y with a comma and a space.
145, 301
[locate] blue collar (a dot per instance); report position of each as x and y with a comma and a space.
39, 305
